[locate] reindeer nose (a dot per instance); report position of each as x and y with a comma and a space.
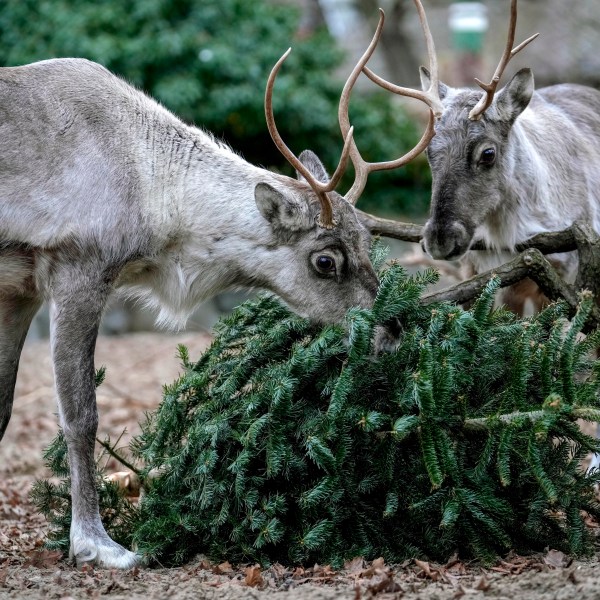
446, 241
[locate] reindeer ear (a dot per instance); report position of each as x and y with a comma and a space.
282, 211
514, 97
311, 161
426, 82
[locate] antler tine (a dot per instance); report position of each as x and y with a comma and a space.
490, 88
343, 112
430, 97
326, 217
363, 168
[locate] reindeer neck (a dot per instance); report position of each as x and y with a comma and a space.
197, 182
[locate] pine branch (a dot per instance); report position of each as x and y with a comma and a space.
530, 263
289, 442
487, 423
490, 423
118, 457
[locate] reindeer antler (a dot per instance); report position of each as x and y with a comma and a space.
350, 150
490, 88
430, 97
326, 217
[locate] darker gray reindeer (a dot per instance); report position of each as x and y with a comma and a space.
102, 189
511, 164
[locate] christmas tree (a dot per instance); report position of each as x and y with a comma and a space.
295, 443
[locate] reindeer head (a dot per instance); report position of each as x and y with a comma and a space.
469, 153
330, 263
327, 269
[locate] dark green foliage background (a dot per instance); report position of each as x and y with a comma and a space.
291, 443
208, 61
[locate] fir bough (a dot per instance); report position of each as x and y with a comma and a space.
291, 443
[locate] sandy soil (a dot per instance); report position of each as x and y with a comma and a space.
138, 365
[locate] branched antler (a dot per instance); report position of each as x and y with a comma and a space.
431, 98
490, 88
350, 150
326, 217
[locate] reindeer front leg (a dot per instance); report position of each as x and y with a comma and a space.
79, 294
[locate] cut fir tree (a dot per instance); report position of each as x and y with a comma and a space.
294, 443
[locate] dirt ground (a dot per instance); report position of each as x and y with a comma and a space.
137, 366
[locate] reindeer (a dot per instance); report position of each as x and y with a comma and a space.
102, 189
510, 164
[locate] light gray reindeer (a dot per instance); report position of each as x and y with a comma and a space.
103, 189
511, 164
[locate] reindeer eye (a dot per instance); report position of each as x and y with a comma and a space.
488, 157
325, 264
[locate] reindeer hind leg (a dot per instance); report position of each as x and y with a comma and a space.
19, 302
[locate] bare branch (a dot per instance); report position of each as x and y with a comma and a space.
546, 243
484, 423
110, 449
530, 263
407, 232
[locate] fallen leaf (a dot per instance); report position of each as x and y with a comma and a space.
224, 567
387, 585
573, 577
322, 571
42, 559
452, 561
298, 573
426, 568
590, 521
557, 559
356, 565
253, 577
278, 571
483, 584
458, 569
515, 564
127, 481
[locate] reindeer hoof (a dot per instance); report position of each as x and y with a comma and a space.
102, 553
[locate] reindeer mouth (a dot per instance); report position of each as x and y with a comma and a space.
449, 241
456, 253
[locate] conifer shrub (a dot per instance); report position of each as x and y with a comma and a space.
294, 443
